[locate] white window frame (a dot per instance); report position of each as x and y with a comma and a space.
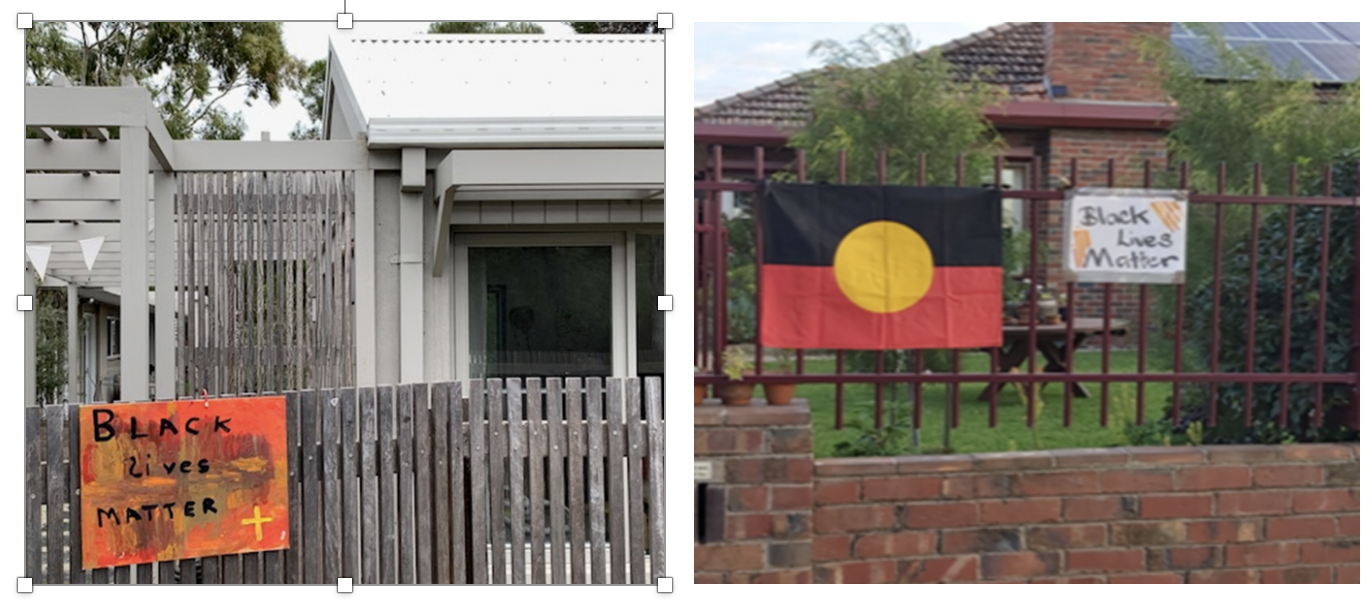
1015, 176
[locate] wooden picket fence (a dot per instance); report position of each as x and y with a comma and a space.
534, 481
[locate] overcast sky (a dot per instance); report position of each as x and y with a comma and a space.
310, 41
734, 57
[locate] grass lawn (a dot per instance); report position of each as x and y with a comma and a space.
973, 433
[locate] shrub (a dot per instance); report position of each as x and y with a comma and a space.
1271, 312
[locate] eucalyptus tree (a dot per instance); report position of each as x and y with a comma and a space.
188, 67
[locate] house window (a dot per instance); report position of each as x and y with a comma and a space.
1015, 210
540, 311
559, 304
112, 336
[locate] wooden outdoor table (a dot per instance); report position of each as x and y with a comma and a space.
1052, 343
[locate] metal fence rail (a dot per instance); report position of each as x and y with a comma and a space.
713, 308
534, 481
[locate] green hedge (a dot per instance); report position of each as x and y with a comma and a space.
1271, 254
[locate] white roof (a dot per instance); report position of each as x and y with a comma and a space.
523, 83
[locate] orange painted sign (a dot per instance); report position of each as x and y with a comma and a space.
183, 479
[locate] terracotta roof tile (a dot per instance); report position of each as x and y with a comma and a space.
1010, 54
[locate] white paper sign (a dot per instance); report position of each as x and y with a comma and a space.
1125, 235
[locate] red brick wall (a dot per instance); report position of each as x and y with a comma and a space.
767, 460
1100, 61
1093, 149
1246, 514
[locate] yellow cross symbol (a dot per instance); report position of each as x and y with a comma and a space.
257, 520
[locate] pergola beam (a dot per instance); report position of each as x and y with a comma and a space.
71, 210
164, 191
71, 232
30, 343
206, 156
160, 141
83, 106
71, 187
70, 155
73, 344
133, 279
194, 156
94, 108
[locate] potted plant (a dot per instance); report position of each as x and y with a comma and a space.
735, 392
700, 388
781, 394
1024, 308
1048, 307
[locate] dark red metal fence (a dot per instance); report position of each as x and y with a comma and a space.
712, 291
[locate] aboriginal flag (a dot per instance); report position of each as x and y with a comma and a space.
880, 267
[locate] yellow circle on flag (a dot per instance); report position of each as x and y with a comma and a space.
884, 266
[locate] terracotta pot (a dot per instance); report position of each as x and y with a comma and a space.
1024, 311
1052, 320
700, 394
780, 394
735, 393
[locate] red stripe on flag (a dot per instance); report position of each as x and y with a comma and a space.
803, 307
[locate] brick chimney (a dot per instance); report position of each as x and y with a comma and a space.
1101, 62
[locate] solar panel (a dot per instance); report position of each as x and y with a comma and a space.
1228, 30
1201, 58
1238, 30
1285, 56
1292, 31
1342, 59
1348, 31
1324, 52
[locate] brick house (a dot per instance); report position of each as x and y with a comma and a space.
768, 511
1076, 90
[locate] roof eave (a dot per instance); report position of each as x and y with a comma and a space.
1045, 114
477, 133
1018, 114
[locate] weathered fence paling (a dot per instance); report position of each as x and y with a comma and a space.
421, 483
267, 260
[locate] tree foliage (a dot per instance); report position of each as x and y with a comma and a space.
615, 27
1341, 278
312, 99
485, 27
1242, 108
50, 308
187, 66
880, 93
